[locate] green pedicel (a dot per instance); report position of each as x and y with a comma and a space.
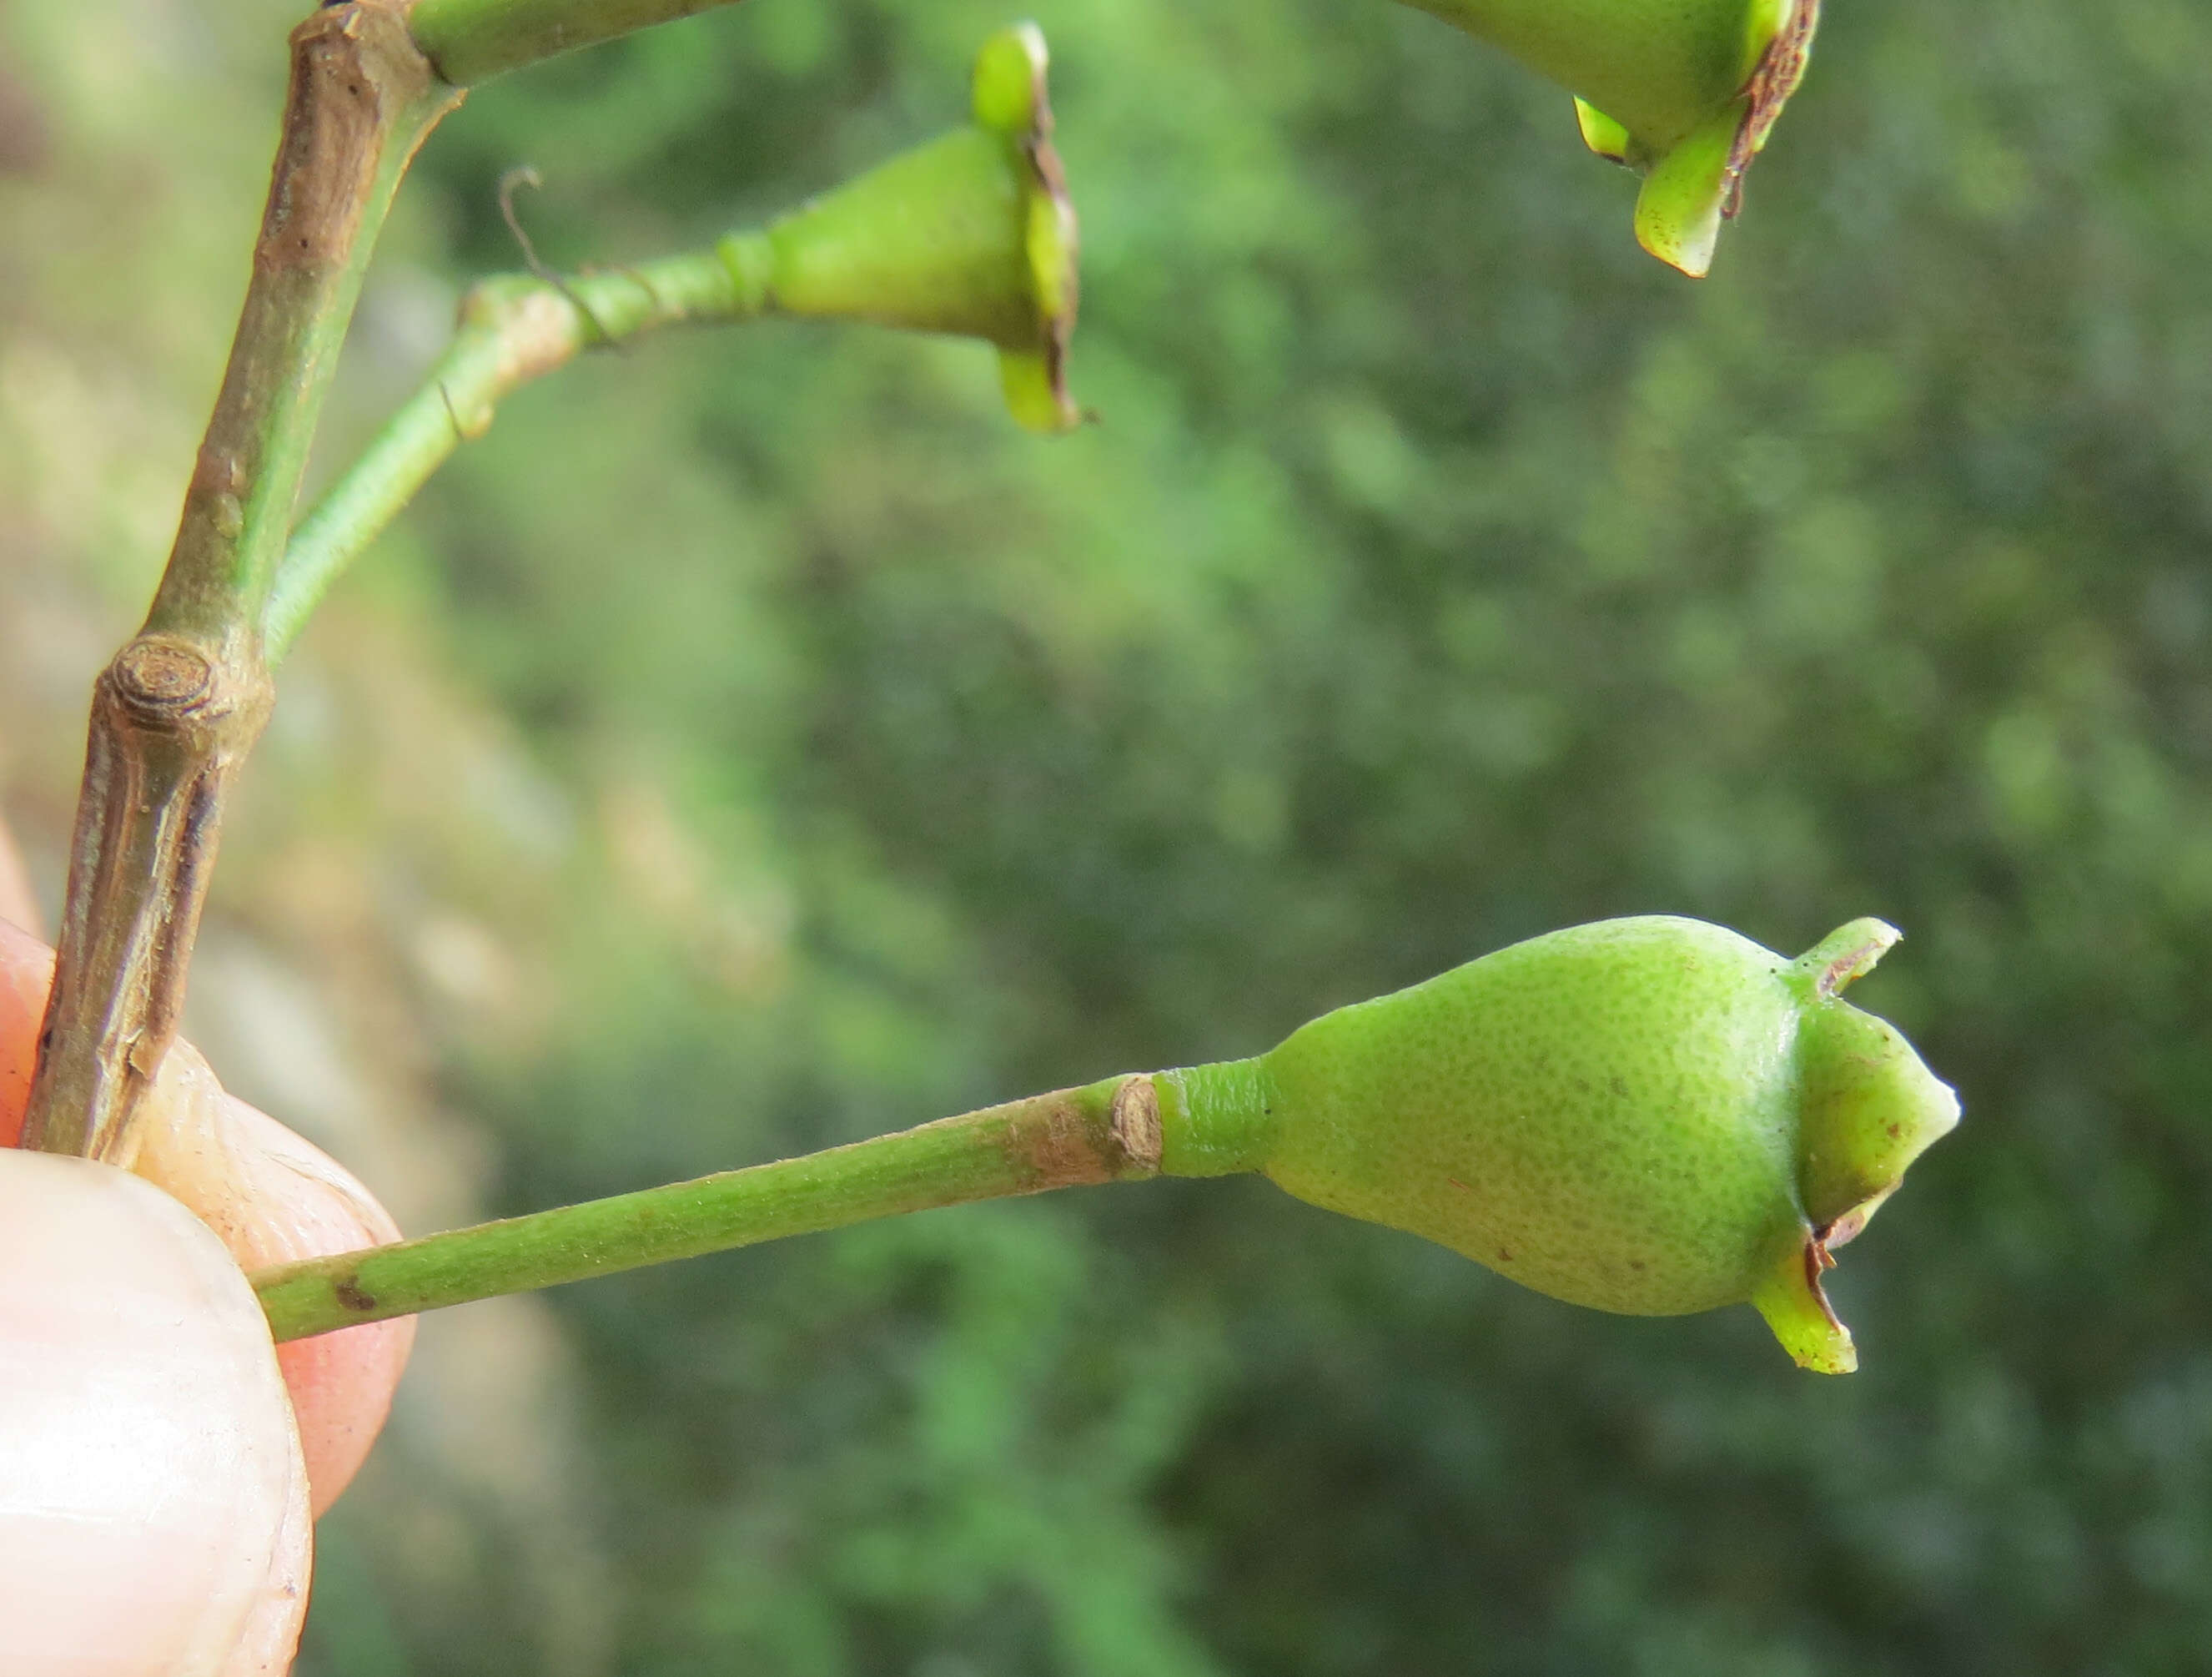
1654, 1116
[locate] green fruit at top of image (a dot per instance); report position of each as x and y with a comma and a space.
1653, 1116
1685, 92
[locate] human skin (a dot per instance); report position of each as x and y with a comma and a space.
160, 1462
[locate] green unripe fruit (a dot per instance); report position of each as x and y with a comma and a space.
1685, 92
1653, 1116
972, 233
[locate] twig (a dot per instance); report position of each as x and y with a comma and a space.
175, 712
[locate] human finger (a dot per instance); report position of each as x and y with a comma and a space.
268, 1195
18, 905
152, 1496
271, 1198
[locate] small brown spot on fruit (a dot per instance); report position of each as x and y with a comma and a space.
349, 1294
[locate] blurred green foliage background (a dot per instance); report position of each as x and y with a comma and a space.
755, 742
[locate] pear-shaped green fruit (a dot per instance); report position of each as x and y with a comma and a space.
1685, 92
1654, 1116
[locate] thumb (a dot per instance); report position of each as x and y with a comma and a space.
153, 1504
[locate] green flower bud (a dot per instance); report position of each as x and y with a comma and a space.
1685, 92
972, 233
1653, 1116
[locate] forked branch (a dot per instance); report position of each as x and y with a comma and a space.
176, 711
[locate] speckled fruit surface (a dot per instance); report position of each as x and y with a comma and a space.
1604, 1114
1629, 1115
1653, 1116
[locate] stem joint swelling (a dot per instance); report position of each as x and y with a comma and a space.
171, 722
1067, 1140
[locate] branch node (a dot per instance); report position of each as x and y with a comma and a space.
159, 675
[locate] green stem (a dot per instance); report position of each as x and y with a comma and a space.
513, 328
361, 100
1107, 1131
473, 40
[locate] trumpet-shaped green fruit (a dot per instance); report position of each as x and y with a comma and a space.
1685, 92
972, 233
1654, 1116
